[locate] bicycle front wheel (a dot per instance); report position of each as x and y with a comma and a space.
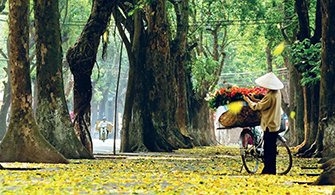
248, 152
283, 157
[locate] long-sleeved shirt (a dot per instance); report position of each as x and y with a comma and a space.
270, 108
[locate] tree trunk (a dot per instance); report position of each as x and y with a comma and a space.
306, 148
81, 58
293, 133
299, 106
202, 129
326, 131
52, 114
316, 148
179, 61
23, 141
327, 89
301, 8
288, 103
128, 138
150, 122
312, 129
316, 38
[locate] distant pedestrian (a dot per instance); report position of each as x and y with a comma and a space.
104, 127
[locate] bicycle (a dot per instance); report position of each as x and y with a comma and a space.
252, 151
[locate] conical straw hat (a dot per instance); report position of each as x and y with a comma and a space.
269, 81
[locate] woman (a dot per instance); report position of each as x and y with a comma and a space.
270, 108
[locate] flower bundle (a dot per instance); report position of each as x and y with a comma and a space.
225, 96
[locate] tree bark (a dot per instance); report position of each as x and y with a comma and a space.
179, 61
301, 9
202, 129
159, 86
316, 38
52, 114
150, 116
23, 141
309, 145
298, 107
311, 94
313, 109
81, 58
326, 131
327, 89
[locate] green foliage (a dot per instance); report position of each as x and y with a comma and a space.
203, 69
139, 6
104, 75
246, 60
74, 16
250, 27
306, 58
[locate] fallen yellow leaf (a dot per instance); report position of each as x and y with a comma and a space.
279, 49
235, 107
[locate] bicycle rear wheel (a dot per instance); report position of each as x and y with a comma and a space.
283, 157
248, 152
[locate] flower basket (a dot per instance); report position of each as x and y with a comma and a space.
246, 118
225, 96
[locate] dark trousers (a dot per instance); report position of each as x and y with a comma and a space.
270, 151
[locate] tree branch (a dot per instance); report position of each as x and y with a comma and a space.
66, 11
3, 54
3, 5
301, 8
119, 20
318, 24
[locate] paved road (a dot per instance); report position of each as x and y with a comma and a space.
106, 147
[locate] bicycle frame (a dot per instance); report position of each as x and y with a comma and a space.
258, 142
252, 150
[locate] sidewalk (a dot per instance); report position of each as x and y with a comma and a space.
100, 147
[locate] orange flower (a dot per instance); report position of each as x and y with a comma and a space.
224, 96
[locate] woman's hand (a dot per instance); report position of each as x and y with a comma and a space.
246, 98
252, 97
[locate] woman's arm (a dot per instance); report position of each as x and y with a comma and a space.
263, 104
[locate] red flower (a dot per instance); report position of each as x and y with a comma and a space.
222, 91
224, 96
